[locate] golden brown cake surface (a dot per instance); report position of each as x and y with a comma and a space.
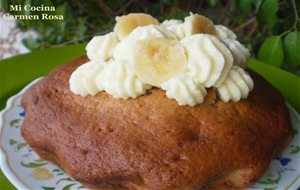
152, 143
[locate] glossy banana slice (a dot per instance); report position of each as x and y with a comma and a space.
236, 86
124, 49
156, 60
197, 24
126, 24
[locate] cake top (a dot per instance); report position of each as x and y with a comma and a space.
181, 57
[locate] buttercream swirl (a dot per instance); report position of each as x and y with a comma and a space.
224, 33
101, 48
239, 52
184, 90
236, 86
118, 80
176, 26
209, 61
82, 79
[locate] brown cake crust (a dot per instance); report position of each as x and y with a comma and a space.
152, 143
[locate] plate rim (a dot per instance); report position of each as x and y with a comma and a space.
20, 184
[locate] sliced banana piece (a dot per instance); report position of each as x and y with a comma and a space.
237, 85
118, 80
197, 24
82, 79
127, 23
184, 90
101, 48
209, 61
124, 49
156, 60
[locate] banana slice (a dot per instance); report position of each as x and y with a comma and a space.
184, 90
82, 79
125, 47
126, 24
195, 24
101, 48
209, 61
236, 86
156, 60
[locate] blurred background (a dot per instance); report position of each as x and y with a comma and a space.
269, 28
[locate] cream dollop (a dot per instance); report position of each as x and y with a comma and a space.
124, 49
184, 90
118, 80
82, 81
239, 52
176, 26
236, 86
209, 61
224, 33
181, 57
101, 48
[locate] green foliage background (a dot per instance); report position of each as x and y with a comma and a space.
270, 28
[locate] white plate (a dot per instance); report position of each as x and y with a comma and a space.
26, 170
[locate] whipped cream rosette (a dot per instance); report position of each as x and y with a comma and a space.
181, 57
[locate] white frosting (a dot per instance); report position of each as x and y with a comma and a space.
118, 80
101, 48
124, 49
82, 79
184, 90
239, 52
143, 32
224, 33
236, 86
209, 61
176, 26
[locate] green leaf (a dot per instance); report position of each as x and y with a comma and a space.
295, 149
12, 141
48, 188
267, 14
33, 164
14, 123
213, 2
68, 187
291, 45
244, 6
21, 145
56, 170
64, 179
31, 43
271, 51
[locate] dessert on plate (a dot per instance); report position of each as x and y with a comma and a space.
155, 105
